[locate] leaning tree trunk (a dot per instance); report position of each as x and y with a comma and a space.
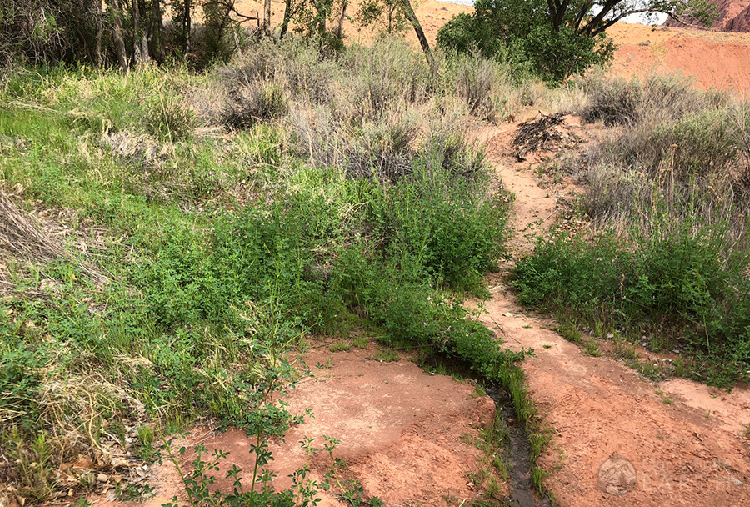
409, 13
99, 33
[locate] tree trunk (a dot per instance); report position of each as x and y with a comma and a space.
287, 16
340, 27
187, 26
321, 9
99, 33
155, 43
267, 17
143, 36
409, 13
120, 51
140, 48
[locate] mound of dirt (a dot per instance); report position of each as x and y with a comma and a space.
718, 60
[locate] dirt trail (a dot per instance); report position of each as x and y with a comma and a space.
615, 441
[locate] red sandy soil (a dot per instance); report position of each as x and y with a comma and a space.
404, 434
401, 428
718, 60
691, 451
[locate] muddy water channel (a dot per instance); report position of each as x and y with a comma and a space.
523, 492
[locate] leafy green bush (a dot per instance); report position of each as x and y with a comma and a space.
683, 282
522, 31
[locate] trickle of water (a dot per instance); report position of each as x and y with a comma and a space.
522, 490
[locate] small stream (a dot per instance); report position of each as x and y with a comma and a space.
517, 449
523, 493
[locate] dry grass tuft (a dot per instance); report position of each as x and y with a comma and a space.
20, 236
23, 238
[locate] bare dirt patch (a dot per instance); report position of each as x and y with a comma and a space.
718, 60
404, 434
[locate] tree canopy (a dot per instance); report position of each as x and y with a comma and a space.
128, 33
555, 38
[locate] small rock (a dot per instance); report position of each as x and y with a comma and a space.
119, 462
102, 478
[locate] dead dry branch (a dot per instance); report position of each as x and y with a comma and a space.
535, 135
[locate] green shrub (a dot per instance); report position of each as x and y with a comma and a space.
522, 31
222, 252
682, 281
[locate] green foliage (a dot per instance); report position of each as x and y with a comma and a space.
557, 39
517, 32
386, 15
681, 280
220, 253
